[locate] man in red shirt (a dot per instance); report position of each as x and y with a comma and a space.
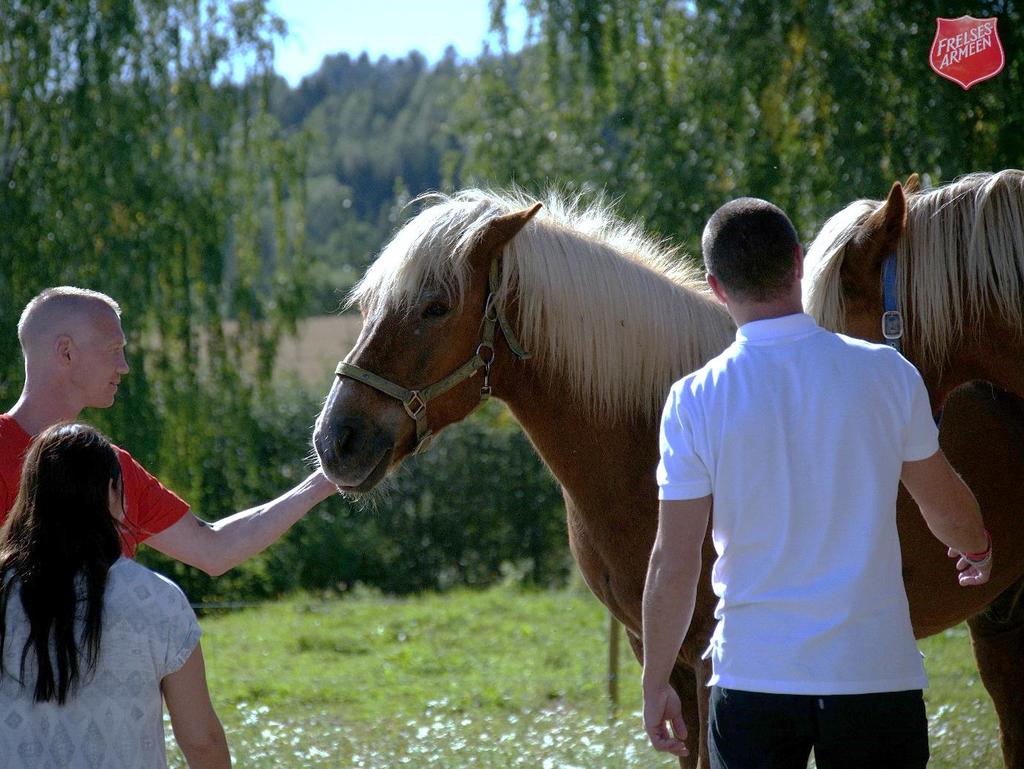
73, 345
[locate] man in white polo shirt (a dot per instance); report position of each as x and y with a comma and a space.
801, 437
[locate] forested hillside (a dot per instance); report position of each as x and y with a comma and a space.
375, 133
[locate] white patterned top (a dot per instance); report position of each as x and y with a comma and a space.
115, 718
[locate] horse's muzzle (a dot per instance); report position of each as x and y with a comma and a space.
352, 454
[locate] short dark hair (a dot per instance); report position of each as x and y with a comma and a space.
748, 244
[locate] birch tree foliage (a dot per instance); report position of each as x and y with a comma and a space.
138, 158
676, 106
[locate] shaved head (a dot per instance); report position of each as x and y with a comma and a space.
61, 310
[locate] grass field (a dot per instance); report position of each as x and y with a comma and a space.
502, 678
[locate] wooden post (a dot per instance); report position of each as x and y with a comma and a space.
614, 631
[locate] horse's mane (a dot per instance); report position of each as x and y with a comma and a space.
962, 252
611, 315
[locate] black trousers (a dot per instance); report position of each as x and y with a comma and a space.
750, 730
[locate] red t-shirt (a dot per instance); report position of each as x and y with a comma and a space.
149, 506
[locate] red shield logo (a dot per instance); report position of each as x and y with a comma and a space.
967, 50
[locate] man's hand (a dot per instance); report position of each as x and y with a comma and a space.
669, 596
971, 574
661, 708
322, 486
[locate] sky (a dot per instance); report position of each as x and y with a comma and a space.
385, 28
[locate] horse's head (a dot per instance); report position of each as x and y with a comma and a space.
950, 261
843, 280
430, 334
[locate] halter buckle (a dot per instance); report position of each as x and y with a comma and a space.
415, 407
892, 324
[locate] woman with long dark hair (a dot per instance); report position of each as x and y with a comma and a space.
90, 640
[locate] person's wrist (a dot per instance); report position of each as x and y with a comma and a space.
982, 557
650, 683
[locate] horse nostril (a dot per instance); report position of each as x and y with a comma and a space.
342, 439
337, 441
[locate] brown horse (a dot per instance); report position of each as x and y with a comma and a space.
959, 288
580, 325
959, 257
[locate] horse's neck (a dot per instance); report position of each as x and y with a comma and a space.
606, 470
992, 351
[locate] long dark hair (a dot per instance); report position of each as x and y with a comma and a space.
61, 537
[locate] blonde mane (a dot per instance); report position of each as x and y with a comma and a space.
609, 314
961, 255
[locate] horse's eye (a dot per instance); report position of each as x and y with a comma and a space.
435, 310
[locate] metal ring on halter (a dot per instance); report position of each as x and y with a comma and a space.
490, 358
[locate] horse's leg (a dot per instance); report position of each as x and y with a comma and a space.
997, 635
699, 682
694, 699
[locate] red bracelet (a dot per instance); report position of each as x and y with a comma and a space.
984, 554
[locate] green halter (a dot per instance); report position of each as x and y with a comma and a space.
415, 401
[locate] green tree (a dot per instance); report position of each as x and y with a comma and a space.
138, 157
678, 106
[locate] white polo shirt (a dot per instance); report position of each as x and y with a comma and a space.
800, 435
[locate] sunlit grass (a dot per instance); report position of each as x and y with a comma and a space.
961, 721
502, 678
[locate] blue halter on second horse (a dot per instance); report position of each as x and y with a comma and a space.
892, 318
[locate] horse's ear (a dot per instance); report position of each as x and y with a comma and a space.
877, 238
500, 230
886, 224
912, 184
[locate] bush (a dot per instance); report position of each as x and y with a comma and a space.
477, 508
